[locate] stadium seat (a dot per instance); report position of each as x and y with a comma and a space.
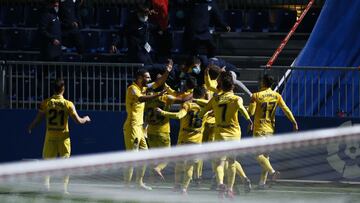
71, 57
2, 38
15, 39
177, 42
108, 16
234, 19
282, 20
34, 40
256, 20
12, 15
88, 17
91, 40
307, 24
32, 15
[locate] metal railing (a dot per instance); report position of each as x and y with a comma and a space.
91, 86
319, 91
309, 91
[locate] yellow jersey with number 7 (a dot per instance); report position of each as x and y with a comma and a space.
226, 106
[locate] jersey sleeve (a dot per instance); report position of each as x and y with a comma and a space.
177, 115
242, 108
210, 84
43, 106
207, 108
70, 107
286, 109
135, 93
252, 105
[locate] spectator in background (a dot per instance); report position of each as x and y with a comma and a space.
162, 38
70, 24
197, 33
50, 32
138, 32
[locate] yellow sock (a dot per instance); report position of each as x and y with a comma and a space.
265, 163
161, 166
179, 169
219, 172
47, 182
189, 169
140, 173
231, 173
128, 172
66, 183
263, 177
198, 169
240, 170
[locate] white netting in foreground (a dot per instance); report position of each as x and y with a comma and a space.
316, 166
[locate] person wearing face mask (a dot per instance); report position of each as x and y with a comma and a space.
50, 32
138, 33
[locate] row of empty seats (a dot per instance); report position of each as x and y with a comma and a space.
257, 20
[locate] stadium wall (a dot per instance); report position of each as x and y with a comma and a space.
105, 134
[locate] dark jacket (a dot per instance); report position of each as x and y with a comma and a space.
199, 14
68, 14
49, 29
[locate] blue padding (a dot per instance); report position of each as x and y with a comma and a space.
334, 42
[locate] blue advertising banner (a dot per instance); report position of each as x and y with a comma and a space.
105, 133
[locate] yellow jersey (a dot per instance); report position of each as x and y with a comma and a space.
135, 108
156, 122
226, 106
263, 106
191, 125
57, 111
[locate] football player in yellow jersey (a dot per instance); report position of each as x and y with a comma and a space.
209, 126
191, 129
226, 106
57, 110
158, 126
263, 105
134, 136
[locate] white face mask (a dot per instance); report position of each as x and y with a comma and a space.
56, 9
143, 18
196, 69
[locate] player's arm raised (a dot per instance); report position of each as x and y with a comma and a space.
288, 113
160, 81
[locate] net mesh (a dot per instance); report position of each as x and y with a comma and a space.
316, 166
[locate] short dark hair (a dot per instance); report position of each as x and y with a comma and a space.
227, 81
141, 72
192, 60
199, 91
59, 85
268, 80
190, 82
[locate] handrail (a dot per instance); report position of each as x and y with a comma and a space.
314, 68
71, 63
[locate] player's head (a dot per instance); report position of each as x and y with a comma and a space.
267, 81
190, 83
59, 86
142, 77
225, 81
192, 65
199, 92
